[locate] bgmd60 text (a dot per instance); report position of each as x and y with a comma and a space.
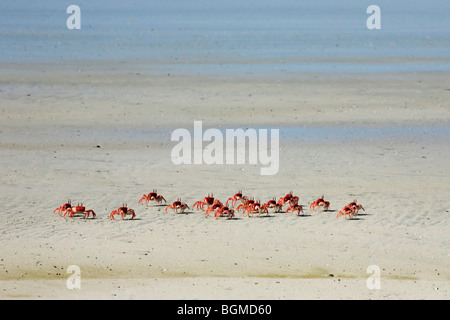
246, 309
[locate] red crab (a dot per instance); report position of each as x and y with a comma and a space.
295, 207
356, 207
208, 201
123, 211
273, 204
346, 212
289, 199
152, 196
79, 208
256, 207
320, 203
63, 208
177, 205
215, 206
238, 196
245, 205
224, 211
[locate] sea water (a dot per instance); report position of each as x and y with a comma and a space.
233, 36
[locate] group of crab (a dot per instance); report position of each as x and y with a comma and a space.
210, 205
176, 206
252, 207
68, 209
216, 206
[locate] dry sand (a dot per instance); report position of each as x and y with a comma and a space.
103, 138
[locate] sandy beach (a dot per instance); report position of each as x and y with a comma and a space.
102, 137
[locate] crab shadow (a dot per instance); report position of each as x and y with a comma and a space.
291, 214
126, 219
303, 215
80, 217
228, 219
265, 216
180, 213
363, 214
155, 205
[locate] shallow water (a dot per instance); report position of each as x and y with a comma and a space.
331, 133
302, 134
256, 36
